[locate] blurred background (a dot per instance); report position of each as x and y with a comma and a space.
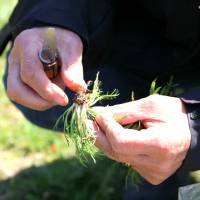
37, 164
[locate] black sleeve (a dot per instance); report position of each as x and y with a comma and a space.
91, 20
191, 101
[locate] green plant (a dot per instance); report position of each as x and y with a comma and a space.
75, 118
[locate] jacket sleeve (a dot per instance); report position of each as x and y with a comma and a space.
191, 100
91, 20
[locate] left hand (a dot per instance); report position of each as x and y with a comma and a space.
158, 150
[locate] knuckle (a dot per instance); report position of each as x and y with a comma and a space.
155, 181
167, 153
48, 91
26, 39
11, 57
118, 145
44, 107
24, 34
165, 169
27, 74
114, 140
150, 103
154, 100
22, 39
12, 95
18, 39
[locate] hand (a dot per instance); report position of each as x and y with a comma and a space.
158, 150
27, 82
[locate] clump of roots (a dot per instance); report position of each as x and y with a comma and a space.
82, 98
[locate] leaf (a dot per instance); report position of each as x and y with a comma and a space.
152, 87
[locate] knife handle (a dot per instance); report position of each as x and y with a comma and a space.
51, 64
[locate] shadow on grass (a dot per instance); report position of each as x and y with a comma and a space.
66, 179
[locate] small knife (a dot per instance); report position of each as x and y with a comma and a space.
48, 55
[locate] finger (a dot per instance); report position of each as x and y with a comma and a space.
146, 159
72, 74
154, 174
147, 162
13, 58
112, 130
161, 169
101, 141
143, 109
70, 49
103, 144
59, 82
22, 94
126, 141
151, 177
33, 75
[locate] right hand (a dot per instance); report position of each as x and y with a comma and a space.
158, 150
27, 83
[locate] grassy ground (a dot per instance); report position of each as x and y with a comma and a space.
37, 164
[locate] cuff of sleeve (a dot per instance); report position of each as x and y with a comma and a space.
67, 19
192, 160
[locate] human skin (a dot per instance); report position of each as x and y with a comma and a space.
27, 83
155, 152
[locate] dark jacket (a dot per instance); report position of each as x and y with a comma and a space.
163, 35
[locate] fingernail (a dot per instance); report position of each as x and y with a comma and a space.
66, 100
62, 101
83, 86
